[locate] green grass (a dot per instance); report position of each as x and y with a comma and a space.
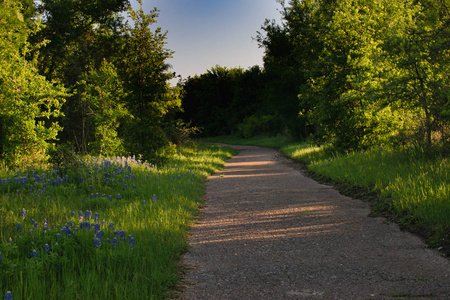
150, 222
412, 187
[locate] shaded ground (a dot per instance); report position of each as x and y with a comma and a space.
269, 232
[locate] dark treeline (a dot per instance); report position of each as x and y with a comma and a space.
354, 73
88, 76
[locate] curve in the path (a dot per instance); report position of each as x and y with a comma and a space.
269, 232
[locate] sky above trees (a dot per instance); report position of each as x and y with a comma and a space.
205, 33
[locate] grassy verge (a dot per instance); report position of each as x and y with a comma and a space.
109, 229
410, 186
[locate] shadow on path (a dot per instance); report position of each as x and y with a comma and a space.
269, 232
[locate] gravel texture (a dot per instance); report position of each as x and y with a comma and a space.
270, 232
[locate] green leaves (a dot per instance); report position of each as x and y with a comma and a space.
28, 102
103, 105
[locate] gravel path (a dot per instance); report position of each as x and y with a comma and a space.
270, 232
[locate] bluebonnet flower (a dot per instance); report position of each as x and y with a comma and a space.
46, 248
121, 234
66, 230
124, 187
34, 223
24, 213
70, 223
91, 187
97, 195
10, 240
114, 242
144, 202
103, 222
96, 217
154, 198
34, 253
110, 197
97, 227
134, 186
100, 234
97, 243
88, 215
58, 235
131, 241
1, 258
108, 240
111, 226
81, 179
92, 196
19, 227
8, 295
119, 197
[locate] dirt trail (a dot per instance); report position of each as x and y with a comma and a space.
270, 232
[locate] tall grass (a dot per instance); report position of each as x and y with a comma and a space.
413, 185
110, 229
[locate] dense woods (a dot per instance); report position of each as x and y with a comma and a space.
92, 77
83, 76
355, 74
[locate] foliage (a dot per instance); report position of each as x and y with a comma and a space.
220, 99
28, 103
258, 125
103, 106
150, 99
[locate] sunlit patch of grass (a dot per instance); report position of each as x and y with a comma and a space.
58, 231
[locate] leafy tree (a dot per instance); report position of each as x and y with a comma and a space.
420, 78
103, 105
289, 49
145, 73
27, 100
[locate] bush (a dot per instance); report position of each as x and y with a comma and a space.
258, 125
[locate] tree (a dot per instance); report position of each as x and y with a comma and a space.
420, 53
27, 100
146, 76
102, 99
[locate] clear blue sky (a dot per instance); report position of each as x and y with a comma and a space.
205, 33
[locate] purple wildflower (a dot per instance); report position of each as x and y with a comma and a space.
131, 241
46, 248
8, 295
97, 243
34, 254
111, 226
24, 213
154, 198
19, 227
114, 242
